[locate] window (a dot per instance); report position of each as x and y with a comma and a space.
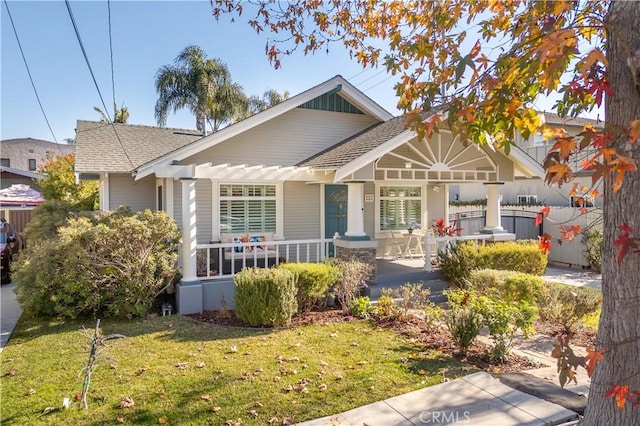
247, 208
5, 162
400, 207
527, 199
581, 201
32, 163
538, 139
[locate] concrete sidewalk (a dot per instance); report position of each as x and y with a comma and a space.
9, 313
477, 399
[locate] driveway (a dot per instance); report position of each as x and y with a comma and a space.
9, 312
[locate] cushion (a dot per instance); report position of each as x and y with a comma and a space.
257, 239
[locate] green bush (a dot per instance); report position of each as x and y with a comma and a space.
566, 305
504, 319
113, 265
47, 218
265, 297
592, 242
459, 260
507, 285
410, 296
387, 306
361, 308
312, 281
464, 319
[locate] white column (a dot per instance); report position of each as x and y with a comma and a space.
493, 224
104, 192
189, 235
355, 212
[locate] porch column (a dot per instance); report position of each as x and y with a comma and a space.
355, 211
189, 294
493, 225
189, 235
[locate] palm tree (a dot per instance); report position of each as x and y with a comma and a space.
120, 115
269, 98
201, 84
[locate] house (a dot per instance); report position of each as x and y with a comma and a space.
20, 159
327, 162
536, 191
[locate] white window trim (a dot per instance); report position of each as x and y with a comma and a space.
379, 233
215, 208
528, 196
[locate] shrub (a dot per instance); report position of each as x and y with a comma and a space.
387, 306
567, 305
265, 297
464, 319
312, 281
410, 297
507, 285
592, 241
361, 308
112, 265
504, 318
350, 274
459, 260
47, 218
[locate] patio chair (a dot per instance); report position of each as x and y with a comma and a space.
394, 245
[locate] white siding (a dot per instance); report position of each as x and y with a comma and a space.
301, 211
177, 203
287, 139
137, 195
436, 204
204, 214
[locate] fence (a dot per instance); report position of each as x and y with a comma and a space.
519, 221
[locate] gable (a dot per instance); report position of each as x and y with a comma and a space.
331, 102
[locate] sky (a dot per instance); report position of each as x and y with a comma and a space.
145, 36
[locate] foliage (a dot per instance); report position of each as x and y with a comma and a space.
47, 218
387, 306
120, 114
181, 369
265, 297
442, 229
507, 285
464, 319
312, 281
350, 274
567, 305
361, 307
504, 318
59, 183
592, 242
112, 265
456, 262
409, 296
268, 99
201, 84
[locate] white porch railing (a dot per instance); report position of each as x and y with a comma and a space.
221, 260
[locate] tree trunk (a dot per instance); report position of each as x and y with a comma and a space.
619, 330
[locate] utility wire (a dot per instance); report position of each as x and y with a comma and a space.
113, 81
24, 59
86, 58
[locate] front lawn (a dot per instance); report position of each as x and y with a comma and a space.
181, 371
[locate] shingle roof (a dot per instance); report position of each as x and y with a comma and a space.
359, 144
99, 150
551, 118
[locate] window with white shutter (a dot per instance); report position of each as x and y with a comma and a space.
247, 208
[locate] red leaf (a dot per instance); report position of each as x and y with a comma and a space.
625, 242
544, 212
620, 393
544, 243
592, 358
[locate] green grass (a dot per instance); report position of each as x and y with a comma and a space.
233, 369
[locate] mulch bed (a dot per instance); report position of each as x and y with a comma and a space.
585, 336
434, 338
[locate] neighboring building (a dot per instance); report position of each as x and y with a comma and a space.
531, 191
20, 159
327, 161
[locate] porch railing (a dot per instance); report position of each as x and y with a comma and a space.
223, 260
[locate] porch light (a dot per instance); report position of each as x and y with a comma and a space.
407, 165
436, 188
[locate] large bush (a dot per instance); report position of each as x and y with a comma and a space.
459, 260
508, 285
265, 297
567, 305
113, 265
312, 281
350, 277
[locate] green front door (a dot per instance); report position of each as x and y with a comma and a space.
335, 211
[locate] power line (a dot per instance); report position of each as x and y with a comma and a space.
95, 82
113, 81
24, 59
